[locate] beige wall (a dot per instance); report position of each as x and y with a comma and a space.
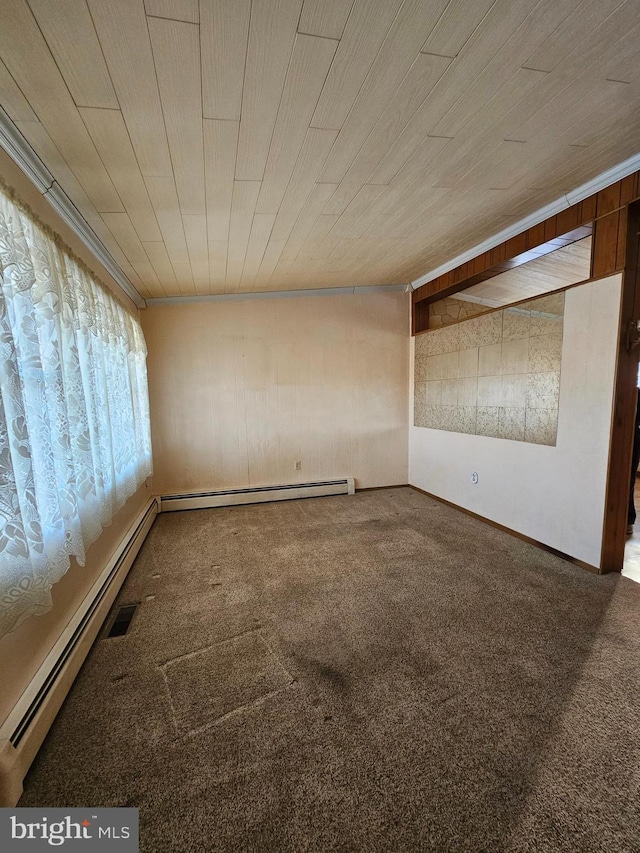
240, 390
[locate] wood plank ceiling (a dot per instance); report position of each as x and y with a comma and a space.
225, 146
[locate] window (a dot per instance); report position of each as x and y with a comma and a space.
74, 411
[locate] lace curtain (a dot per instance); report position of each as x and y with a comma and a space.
74, 411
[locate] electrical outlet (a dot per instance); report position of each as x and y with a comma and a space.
298, 465
474, 477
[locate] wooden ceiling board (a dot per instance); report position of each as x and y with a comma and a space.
272, 32
231, 145
350, 223
28, 59
224, 30
195, 232
109, 134
124, 38
491, 34
258, 240
313, 208
307, 71
573, 30
164, 198
325, 18
243, 205
100, 229
491, 127
313, 154
412, 91
455, 27
396, 56
184, 279
12, 100
159, 259
361, 40
342, 196
220, 145
125, 235
268, 264
540, 22
217, 265
176, 52
576, 86
178, 10
71, 36
321, 227
560, 91
150, 283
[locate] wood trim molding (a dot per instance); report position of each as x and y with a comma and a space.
624, 403
593, 569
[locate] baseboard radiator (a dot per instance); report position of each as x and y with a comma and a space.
25, 728
259, 494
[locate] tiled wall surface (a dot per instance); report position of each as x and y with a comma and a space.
449, 310
497, 374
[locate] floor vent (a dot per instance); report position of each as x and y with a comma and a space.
122, 622
27, 724
259, 494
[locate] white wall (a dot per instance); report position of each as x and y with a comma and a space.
240, 390
555, 495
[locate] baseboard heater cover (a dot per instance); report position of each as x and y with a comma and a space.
25, 728
259, 494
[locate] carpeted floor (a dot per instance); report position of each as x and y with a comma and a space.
368, 673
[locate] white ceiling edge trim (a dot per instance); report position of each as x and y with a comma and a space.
275, 294
28, 161
605, 179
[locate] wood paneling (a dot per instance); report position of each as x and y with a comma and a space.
243, 205
31, 65
176, 48
313, 153
310, 62
179, 10
109, 134
224, 30
220, 144
361, 40
455, 26
195, 232
72, 39
272, 33
324, 17
258, 240
124, 38
13, 101
605, 244
468, 115
386, 75
164, 198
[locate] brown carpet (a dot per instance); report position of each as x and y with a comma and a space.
368, 673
